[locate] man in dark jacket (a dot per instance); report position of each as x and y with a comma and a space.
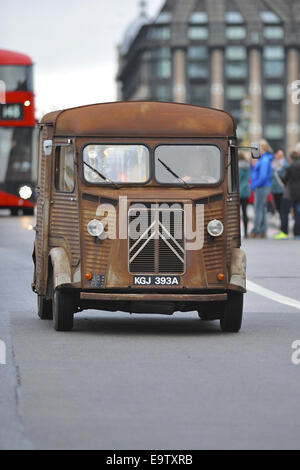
292, 179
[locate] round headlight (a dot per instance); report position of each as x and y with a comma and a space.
95, 228
25, 192
215, 228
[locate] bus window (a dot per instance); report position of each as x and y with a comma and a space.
64, 169
16, 77
15, 154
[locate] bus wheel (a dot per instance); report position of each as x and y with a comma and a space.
231, 320
14, 211
44, 308
63, 310
28, 211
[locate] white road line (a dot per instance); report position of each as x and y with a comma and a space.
269, 294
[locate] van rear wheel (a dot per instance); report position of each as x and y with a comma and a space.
44, 308
231, 319
63, 310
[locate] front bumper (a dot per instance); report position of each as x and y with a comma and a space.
153, 297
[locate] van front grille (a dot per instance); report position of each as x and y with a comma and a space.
156, 239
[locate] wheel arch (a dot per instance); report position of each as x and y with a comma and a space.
61, 267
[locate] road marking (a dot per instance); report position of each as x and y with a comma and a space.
2, 353
270, 294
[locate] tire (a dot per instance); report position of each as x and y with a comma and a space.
14, 211
44, 308
231, 320
63, 310
28, 211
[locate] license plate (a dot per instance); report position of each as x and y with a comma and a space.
156, 280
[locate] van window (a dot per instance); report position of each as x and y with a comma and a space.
116, 163
64, 169
232, 170
191, 164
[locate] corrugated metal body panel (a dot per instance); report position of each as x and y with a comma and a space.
213, 250
42, 214
233, 225
65, 222
95, 254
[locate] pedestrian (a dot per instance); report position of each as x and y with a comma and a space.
260, 183
279, 165
291, 198
244, 176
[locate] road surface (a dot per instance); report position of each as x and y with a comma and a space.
121, 381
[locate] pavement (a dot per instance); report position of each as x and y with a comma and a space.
121, 381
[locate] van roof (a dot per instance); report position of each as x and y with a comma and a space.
142, 119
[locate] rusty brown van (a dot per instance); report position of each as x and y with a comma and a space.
138, 211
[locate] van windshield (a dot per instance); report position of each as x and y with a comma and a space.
117, 163
187, 164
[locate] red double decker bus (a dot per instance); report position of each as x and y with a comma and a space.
17, 133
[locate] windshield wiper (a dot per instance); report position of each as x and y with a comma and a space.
105, 178
174, 174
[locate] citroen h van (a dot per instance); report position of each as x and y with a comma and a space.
138, 211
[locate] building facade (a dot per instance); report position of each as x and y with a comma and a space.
239, 55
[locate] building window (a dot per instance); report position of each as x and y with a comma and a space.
236, 62
236, 32
235, 92
274, 110
273, 32
234, 17
198, 17
274, 131
159, 33
199, 94
197, 70
163, 93
273, 52
236, 53
198, 33
198, 67
269, 17
274, 92
197, 53
274, 102
164, 17
274, 61
236, 70
160, 60
236, 79
198, 64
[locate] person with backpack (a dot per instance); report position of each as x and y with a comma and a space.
260, 183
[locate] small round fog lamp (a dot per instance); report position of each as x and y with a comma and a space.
95, 228
215, 228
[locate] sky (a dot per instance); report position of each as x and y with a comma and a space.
73, 44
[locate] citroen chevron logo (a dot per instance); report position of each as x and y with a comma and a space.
157, 234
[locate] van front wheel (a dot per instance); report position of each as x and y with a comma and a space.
63, 311
231, 320
44, 308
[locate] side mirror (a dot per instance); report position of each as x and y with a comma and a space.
255, 150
